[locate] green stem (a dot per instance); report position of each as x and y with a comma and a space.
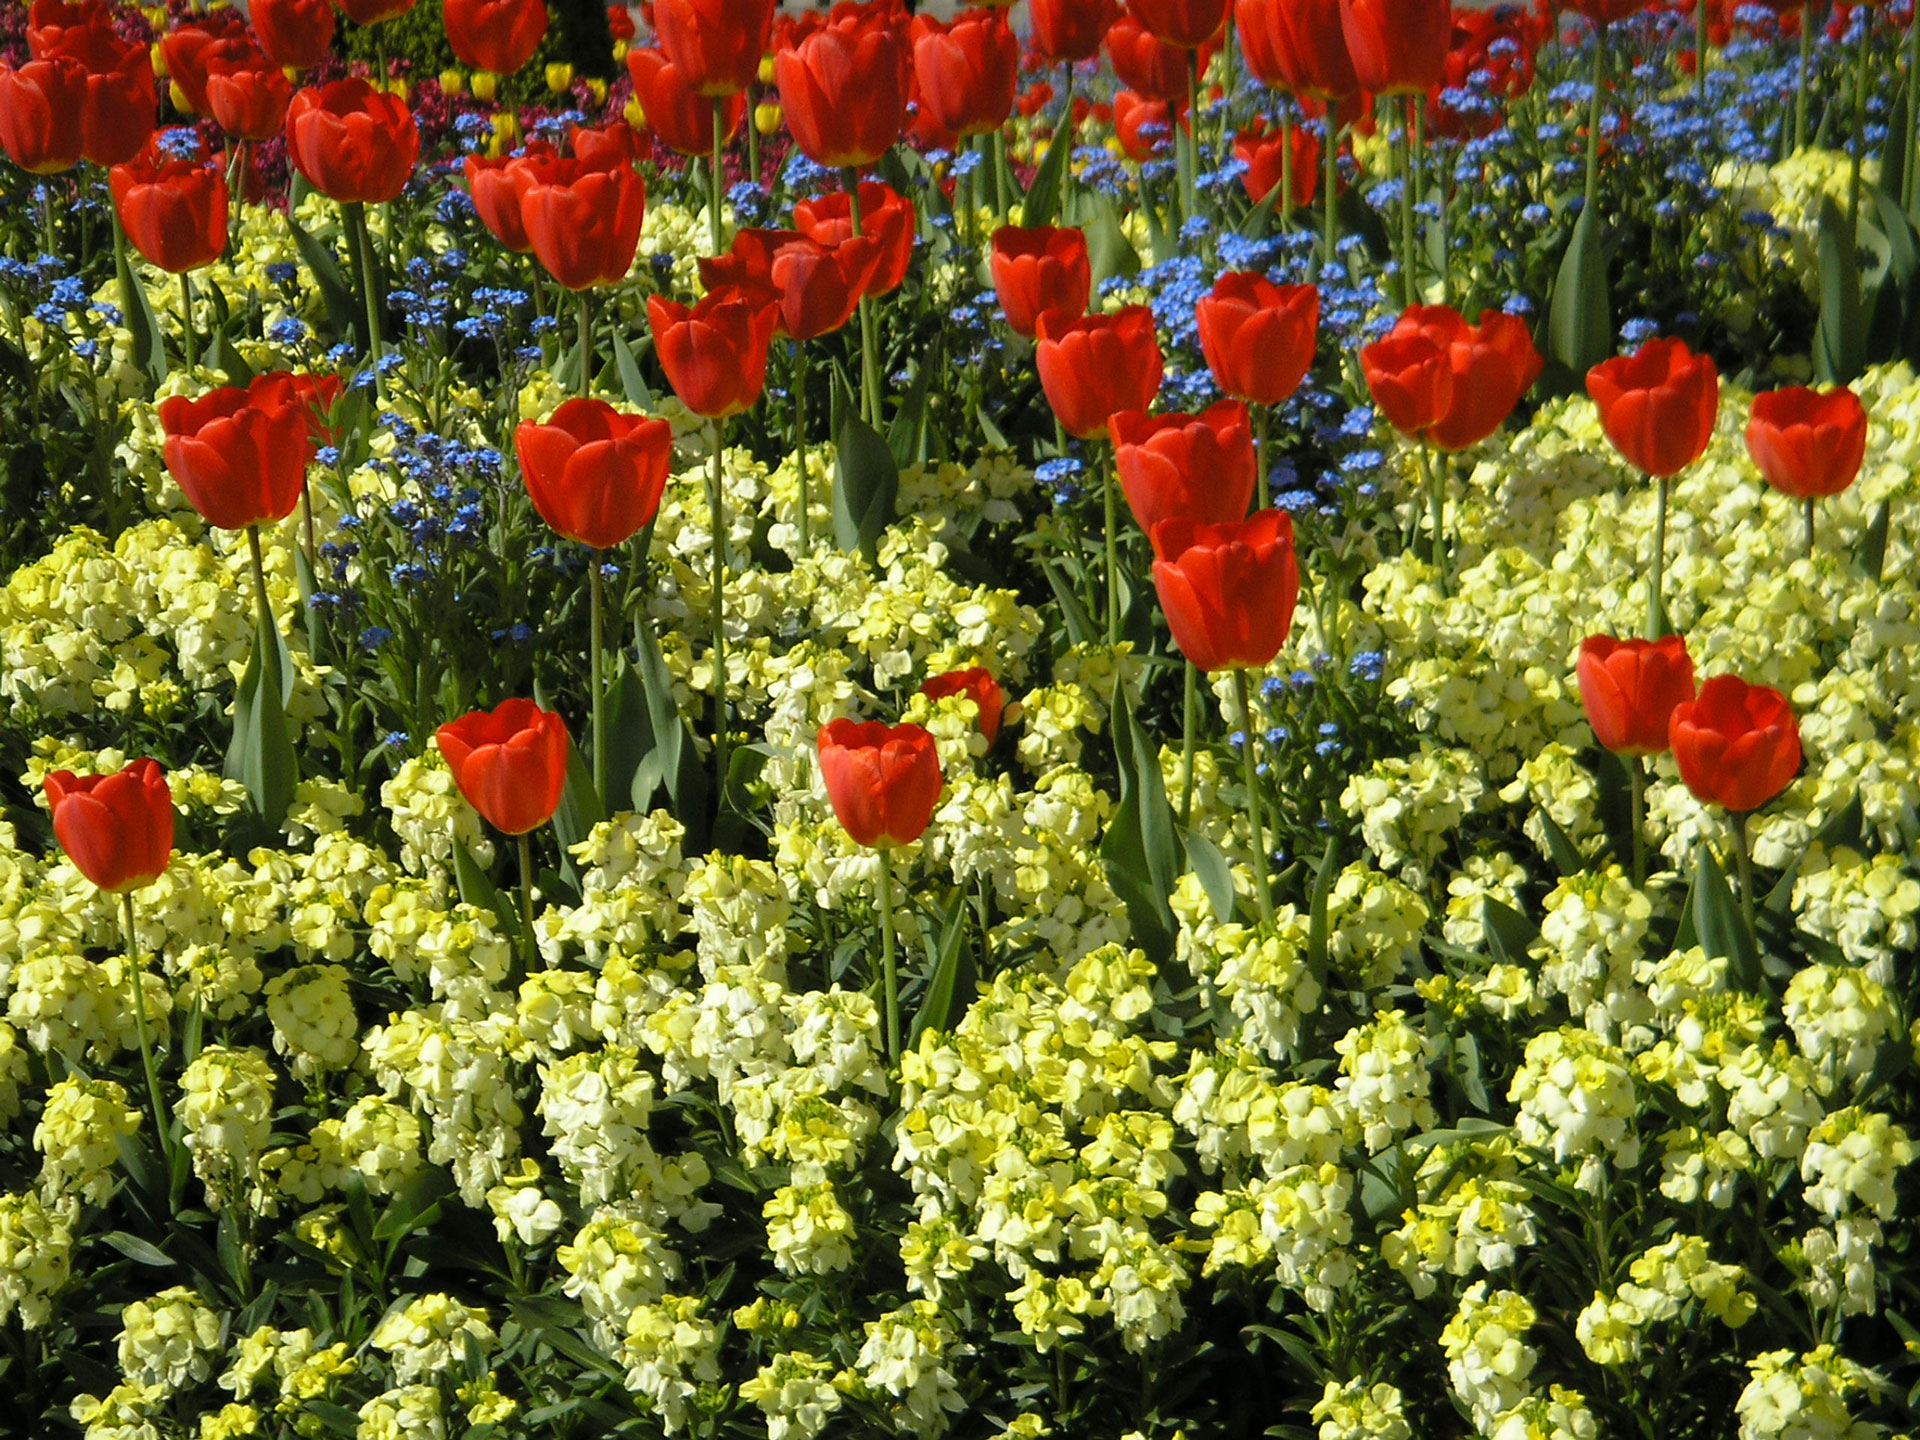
585, 299
718, 611
1809, 527
1112, 504
1744, 859
1409, 293
1909, 182
753, 134
1806, 69
1637, 780
1283, 206
1262, 891
800, 446
1261, 417
136, 978
1435, 477
1656, 579
1861, 65
716, 231
190, 341
261, 606
1189, 724
1064, 135
1186, 154
526, 894
1700, 51
369, 286
889, 970
1332, 182
596, 611
1595, 113
869, 362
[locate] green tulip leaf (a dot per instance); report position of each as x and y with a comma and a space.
866, 488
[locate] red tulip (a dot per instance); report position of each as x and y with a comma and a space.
1302, 45
924, 128
1065, 32
1737, 745
495, 35
496, 188
883, 780
1630, 689
715, 354
844, 86
352, 142
1094, 366
1399, 47
248, 96
886, 217
1144, 127
604, 146
584, 223
372, 12
298, 33
1258, 337
1494, 363
313, 396
716, 44
979, 686
1607, 12
1148, 65
510, 763
815, 286
1657, 405
116, 829
1492, 54
1266, 155
1193, 467
238, 462
676, 112
189, 46
174, 211
1186, 23
1808, 443
1411, 377
595, 474
122, 103
1040, 270
49, 22
43, 108
967, 69
1228, 590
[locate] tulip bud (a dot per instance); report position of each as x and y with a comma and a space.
159, 57
597, 89
766, 118
635, 114
559, 77
485, 85
452, 82
506, 130
766, 70
620, 48
178, 97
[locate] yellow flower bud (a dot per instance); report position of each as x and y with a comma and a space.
179, 98
506, 134
559, 77
485, 85
636, 114
766, 118
397, 87
766, 69
597, 88
159, 61
452, 82
620, 48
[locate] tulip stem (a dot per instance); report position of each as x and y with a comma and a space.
752, 128
869, 363
1331, 143
1111, 502
889, 970
1909, 183
1189, 723
190, 343
718, 612
1284, 204
1435, 477
1637, 814
1187, 152
1806, 69
586, 343
1809, 527
596, 623
1409, 291
1656, 580
356, 214
1064, 134
1261, 416
526, 893
1744, 859
264, 610
137, 980
716, 230
800, 446
1262, 893
1700, 51
1595, 113
1862, 64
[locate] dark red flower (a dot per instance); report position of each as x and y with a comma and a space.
1038, 270
1808, 443
1094, 366
1630, 689
1657, 405
1193, 467
1258, 337
978, 685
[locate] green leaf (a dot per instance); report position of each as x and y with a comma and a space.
1080, 626
1109, 252
1890, 289
1839, 340
1216, 876
1140, 847
478, 890
1042, 201
1717, 921
1567, 858
1579, 316
149, 342
138, 1250
260, 755
945, 981
1259, 219
579, 811
344, 314
1323, 879
632, 382
906, 434
866, 487
674, 761
1872, 559
630, 738
1509, 933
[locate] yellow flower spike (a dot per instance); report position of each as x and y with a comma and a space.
766, 118
485, 85
452, 82
559, 77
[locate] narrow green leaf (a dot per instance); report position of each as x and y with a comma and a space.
344, 314
260, 755
629, 735
1872, 560
866, 487
1109, 251
632, 382
138, 1250
1839, 339
1259, 220
580, 810
1579, 316
1205, 860
1080, 627
1508, 931
149, 342
1718, 922
943, 982
1317, 930
1567, 858
1140, 846
903, 434
675, 759
478, 890
1043, 196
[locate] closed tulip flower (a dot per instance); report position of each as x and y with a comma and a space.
1410, 376
715, 354
815, 286
883, 780
1038, 271
43, 107
1270, 155
313, 396
122, 102
1094, 366
188, 47
1494, 363
886, 217
1303, 43
1065, 32
1737, 745
248, 96
1399, 47
295, 33
354, 144
967, 69
675, 111
1192, 467
716, 44
116, 829
1258, 337
978, 685
495, 35
584, 222
1148, 65
1630, 689
1186, 23
496, 187
604, 146
1808, 443
238, 462
594, 473
1144, 127
49, 22
1657, 405
510, 763
1228, 590
844, 86
174, 211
